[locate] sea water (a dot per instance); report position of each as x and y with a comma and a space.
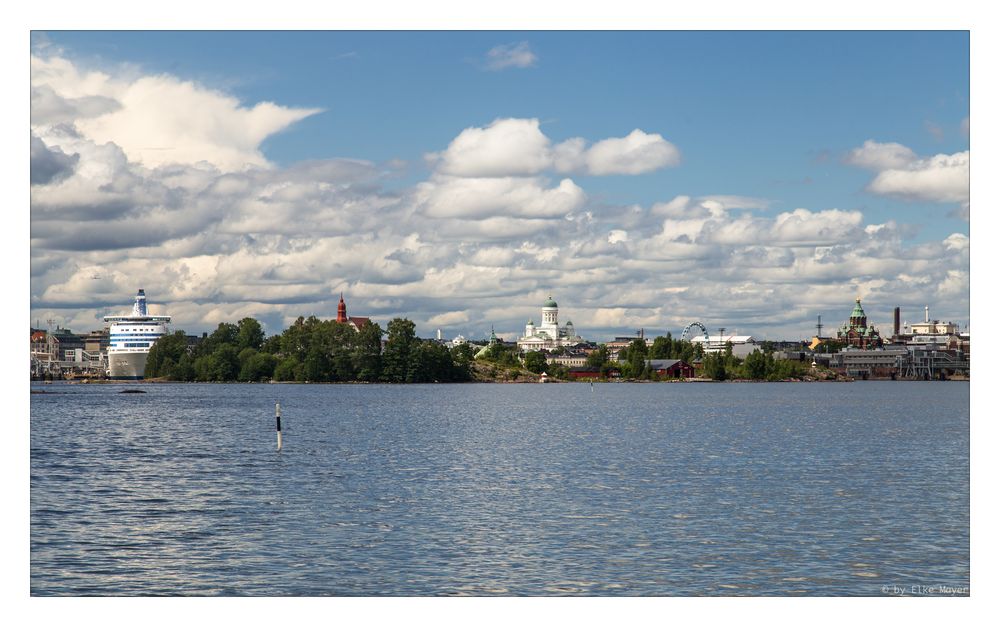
489, 489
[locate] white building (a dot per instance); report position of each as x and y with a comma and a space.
743, 345
548, 334
932, 327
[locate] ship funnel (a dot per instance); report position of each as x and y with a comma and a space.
139, 309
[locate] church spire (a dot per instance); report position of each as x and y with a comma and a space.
341, 309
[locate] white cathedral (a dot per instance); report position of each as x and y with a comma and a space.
548, 334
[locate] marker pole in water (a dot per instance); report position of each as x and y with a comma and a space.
277, 419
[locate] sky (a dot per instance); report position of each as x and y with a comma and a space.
748, 180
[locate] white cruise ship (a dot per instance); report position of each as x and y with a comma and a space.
131, 337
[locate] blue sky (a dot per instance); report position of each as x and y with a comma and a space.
770, 116
772, 110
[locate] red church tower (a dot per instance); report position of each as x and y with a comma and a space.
356, 322
341, 309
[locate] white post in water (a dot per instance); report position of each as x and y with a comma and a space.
277, 419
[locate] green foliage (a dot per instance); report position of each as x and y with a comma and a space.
462, 357
256, 366
367, 352
398, 346
636, 360
225, 333
662, 348
714, 366
755, 366
249, 334
598, 358
164, 355
287, 369
310, 350
535, 361
502, 355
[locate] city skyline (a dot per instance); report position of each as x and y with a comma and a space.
747, 180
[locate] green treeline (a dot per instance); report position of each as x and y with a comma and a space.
310, 350
758, 366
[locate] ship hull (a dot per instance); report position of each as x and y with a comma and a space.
127, 366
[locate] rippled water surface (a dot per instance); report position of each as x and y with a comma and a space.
477, 489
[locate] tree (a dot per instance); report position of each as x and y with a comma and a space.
599, 357
429, 361
662, 347
637, 358
368, 352
249, 334
184, 370
398, 345
535, 361
287, 369
167, 349
755, 366
714, 367
225, 333
225, 363
316, 366
462, 357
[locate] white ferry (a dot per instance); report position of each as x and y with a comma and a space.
131, 337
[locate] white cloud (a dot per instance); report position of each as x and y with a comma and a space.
517, 147
900, 172
449, 318
507, 147
505, 56
495, 227
617, 235
636, 153
150, 117
881, 156
454, 197
941, 178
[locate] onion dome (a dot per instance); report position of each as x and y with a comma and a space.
858, 311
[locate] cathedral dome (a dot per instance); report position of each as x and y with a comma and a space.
550, 303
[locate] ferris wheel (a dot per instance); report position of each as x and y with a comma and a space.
687, 329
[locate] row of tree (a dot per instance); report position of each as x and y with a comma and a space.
758, 366
309, 350
325, 350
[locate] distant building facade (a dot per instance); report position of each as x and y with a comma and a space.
857, 332
548, 334
742, 345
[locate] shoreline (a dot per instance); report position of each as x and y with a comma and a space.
838, 379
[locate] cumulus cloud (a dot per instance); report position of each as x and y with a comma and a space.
517, 147
900, 172
881, 156
454, 197
513, 55
636, 153
49, 165
149, 117
496, 226
507, 147
941, 178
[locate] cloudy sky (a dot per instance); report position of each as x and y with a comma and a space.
747, 180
